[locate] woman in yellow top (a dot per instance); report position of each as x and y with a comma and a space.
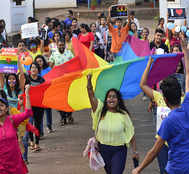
114, 129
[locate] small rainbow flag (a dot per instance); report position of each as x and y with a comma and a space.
8, 60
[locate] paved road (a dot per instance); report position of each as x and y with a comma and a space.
62, 151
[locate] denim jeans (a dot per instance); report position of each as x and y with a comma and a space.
163, 159
25, 140
114, 158
48, 112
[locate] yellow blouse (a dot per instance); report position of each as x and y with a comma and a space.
115, 129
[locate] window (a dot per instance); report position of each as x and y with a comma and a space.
18, 2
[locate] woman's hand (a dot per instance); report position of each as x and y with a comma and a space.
135, 171
27, 89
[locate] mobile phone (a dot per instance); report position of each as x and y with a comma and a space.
135, 162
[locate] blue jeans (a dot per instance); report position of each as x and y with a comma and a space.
114, 158
25, 140
49, 118
48, 112
163, 159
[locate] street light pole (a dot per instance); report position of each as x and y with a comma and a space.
34, 8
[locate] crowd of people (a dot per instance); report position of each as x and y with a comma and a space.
104, 37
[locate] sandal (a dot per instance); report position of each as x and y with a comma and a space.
36, 149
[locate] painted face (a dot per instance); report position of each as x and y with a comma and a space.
21, 46
11, 81
40, 62
112, 100
33, 47
34, 70
3, 109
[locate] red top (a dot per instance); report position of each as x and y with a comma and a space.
86, 39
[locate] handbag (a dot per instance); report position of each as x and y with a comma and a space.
95, 159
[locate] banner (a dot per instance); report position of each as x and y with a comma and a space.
119, 11
176, 13
29, 30
162, 113
8, 60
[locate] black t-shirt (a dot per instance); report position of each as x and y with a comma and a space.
162, 46
36, 82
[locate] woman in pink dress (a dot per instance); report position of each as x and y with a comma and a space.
86, 37
11, 161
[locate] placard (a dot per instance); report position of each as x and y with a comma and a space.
162, 113
29, 30
8, 60
176, 13
119, 11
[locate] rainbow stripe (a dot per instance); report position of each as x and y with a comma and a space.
65, 85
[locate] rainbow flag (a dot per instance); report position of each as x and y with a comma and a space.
8, 60
65, 85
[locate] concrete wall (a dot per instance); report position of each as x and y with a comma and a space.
129, 1
14, 15
55, 3
5, 13
163, 5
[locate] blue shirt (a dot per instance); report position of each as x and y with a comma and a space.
175, 130
45, 71
68, 21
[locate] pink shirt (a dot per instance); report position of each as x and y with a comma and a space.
11, 161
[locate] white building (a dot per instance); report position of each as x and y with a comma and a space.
130, 1
55, 3
164, 4
15, 15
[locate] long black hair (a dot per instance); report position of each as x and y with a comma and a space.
17, 85
121, 108
45, 64
86, 27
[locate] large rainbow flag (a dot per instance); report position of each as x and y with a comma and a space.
65, 85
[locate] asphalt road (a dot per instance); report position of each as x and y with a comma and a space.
62, 151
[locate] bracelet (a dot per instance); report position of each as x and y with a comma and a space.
135, 152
